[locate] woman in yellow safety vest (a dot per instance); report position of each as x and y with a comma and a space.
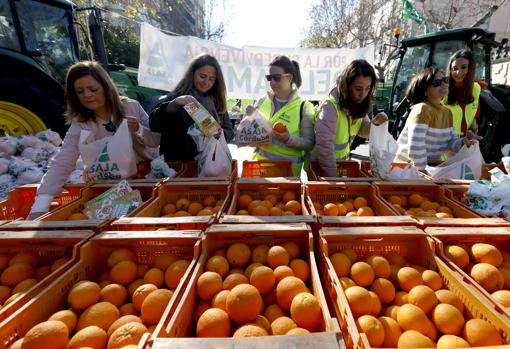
343, 115
289, 115
464, 93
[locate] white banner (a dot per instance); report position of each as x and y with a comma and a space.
164, 59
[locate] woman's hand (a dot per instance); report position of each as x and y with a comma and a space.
183, 100
132, 122
282, 136
250, 109
471, 138
380, 118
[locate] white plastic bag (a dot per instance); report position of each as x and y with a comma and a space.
465, 164
160, 169
6, 184
18, 164
254, 130
8, 146
4, 165
216, 160
110, 157
36, 154
198, 136
29, 175
382, 148
50, 136
490, 197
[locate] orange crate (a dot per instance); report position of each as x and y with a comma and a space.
324, 192
57, 219
93, 257
20, 200
499, 237
464, 216
409, 242
48, 246
347, 170
178, 166
267, 168
258, 188
190, 174
182, 324
149, 217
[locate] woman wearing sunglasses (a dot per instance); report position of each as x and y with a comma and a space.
429, 131
294, 133
93, 107
203, 82
343, 115
463, 93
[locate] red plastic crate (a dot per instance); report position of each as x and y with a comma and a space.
347, 170
267, 168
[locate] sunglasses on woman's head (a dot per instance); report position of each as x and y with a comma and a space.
110, 127
438, 82
275, 77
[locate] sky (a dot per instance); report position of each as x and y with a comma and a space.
269, 23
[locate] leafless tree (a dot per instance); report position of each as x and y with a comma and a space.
217, 13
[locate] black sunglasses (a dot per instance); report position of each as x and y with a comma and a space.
438, 82
110, 127
275, 77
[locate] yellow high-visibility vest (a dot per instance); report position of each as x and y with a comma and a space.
469, 110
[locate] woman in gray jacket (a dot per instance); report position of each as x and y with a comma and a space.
93, 105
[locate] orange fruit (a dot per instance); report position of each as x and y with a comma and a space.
432, 279
287, 196
141, 293
91, 336
362, 273
401, 298
451, 341
359, 300
348, 205
206, 212
282, 325
208, 284
365, 211
423, 297
297, 331
210, 201
448, 297
83, 294
194, 208
287, 289
279, 127
233, 280
411, 317
127, 309
242, 213
384, 289
486, 275
373, 329
201, 307
408, 277
259, 254
391, 312
238, 254
48, 334
182, 204
267, 204
376, 305
448, 319
271, 198
360, 202
293, 206
68, 317
395, 259
273, 312
24, 285
414, 339
250, 330
486, 253
251, 268
168, 209
154, 305
305, 310
101, 314
395, 200
254, 204
133, 286
260, 210
115, 294
263, 279
300, 268
392, 332
14, 274
457, 255
276, 256
220, 300
415, 200
122, 321
380, 265
41, 272
502, 296
244, 303
346, 282
282, 272
27, 257
244, 201
127, 334
123, 272
481, 333
154, 276
217, 264
330, 209
342, 210
341, 264
275, 211
175, 272
213, 323
58, 263
77, 216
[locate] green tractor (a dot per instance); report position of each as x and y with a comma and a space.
425, 50
38, 43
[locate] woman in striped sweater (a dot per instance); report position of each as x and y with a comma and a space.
429, 131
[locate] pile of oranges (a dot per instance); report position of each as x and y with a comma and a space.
357, 207
397, 304
419, 206
22, 271
127, 301
183, 207
286, 204
487, 265
256, 292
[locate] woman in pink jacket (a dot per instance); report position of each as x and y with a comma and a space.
93, 105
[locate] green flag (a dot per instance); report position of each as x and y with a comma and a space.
409, 12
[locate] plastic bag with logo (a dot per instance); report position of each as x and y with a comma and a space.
254, 130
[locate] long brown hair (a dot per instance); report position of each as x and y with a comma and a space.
217, 91
358, 67
418, 86
466, 92
112, 99
289, 67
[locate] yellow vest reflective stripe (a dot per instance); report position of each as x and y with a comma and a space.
346, 131
469, 110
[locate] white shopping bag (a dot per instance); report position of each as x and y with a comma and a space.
110, 157
215, 160
382, 148
254, 130
465, 164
